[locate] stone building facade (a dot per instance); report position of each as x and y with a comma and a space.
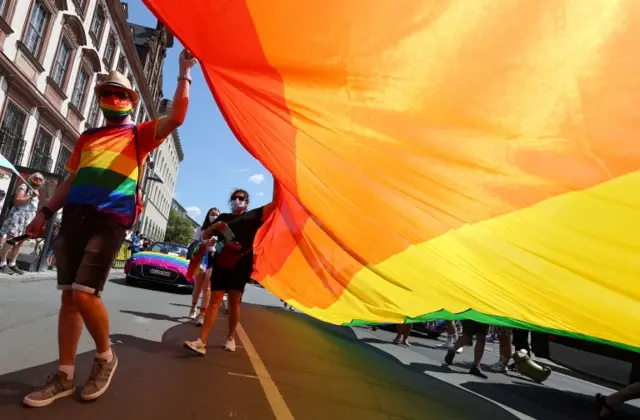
52, 53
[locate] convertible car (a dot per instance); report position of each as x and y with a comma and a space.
162, 262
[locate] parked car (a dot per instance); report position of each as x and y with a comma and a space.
162, 262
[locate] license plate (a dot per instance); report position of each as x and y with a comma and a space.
159, 272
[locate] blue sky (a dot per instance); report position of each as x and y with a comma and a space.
214, 162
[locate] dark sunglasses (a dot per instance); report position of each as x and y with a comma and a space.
117, 93
38, 179
239, 197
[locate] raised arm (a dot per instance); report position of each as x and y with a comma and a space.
269, 208
178, 112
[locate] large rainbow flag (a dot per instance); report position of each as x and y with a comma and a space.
438, 158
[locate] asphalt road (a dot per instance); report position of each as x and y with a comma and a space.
287, 366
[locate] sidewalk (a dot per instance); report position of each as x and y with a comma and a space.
47, 275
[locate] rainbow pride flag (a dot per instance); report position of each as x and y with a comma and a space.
438, 158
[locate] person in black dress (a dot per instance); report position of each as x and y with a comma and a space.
244, 224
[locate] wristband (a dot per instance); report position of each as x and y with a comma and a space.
187, 78
47, 212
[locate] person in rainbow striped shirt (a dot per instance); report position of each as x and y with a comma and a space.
100, 200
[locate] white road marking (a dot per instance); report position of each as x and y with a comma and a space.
243, 375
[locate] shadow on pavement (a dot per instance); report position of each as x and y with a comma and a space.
565, 404
165, 288
324, 372
182, 305
156, 316
154, 380
528, 398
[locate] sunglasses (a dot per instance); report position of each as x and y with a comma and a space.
117, 93
239, 197
36, 179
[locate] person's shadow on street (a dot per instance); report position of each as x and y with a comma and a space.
160, 380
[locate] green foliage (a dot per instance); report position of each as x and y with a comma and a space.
179, 229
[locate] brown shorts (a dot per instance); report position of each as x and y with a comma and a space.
85, 249
471, 328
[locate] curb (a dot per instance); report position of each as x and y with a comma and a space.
30, 277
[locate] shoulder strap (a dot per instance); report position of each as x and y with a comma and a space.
138, 188
135, 141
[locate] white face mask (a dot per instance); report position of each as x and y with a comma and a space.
238, 205
212, 217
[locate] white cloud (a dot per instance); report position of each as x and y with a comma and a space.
193, 211
257, 178
260, 194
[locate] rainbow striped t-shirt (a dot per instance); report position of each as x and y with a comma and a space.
106, 169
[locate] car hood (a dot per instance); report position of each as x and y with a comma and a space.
156, 259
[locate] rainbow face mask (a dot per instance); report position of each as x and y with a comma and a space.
115, 109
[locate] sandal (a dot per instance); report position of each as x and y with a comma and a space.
601, 402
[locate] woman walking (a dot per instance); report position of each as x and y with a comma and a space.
233, 265
201, 283
25, 207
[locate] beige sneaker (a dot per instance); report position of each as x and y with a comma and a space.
500, 367
196, 346
56, 386
100, 378
192, 313
230, 345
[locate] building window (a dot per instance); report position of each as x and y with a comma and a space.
36, 28
92, 121
97, 25
80, 88
121, 65
11, 142
41, 154
109, 52
61, 63
63, 156
81, 5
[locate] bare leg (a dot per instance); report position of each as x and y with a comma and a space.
95, 317
478, 350
197, 288
206, 291
406, 334
505, 348
629, 393
212, 314
462, 341
233, 301
5, 251
451, 328
69, 329
14, 252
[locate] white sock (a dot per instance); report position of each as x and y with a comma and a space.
12, 264
3, 263
68, 370
107, 355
